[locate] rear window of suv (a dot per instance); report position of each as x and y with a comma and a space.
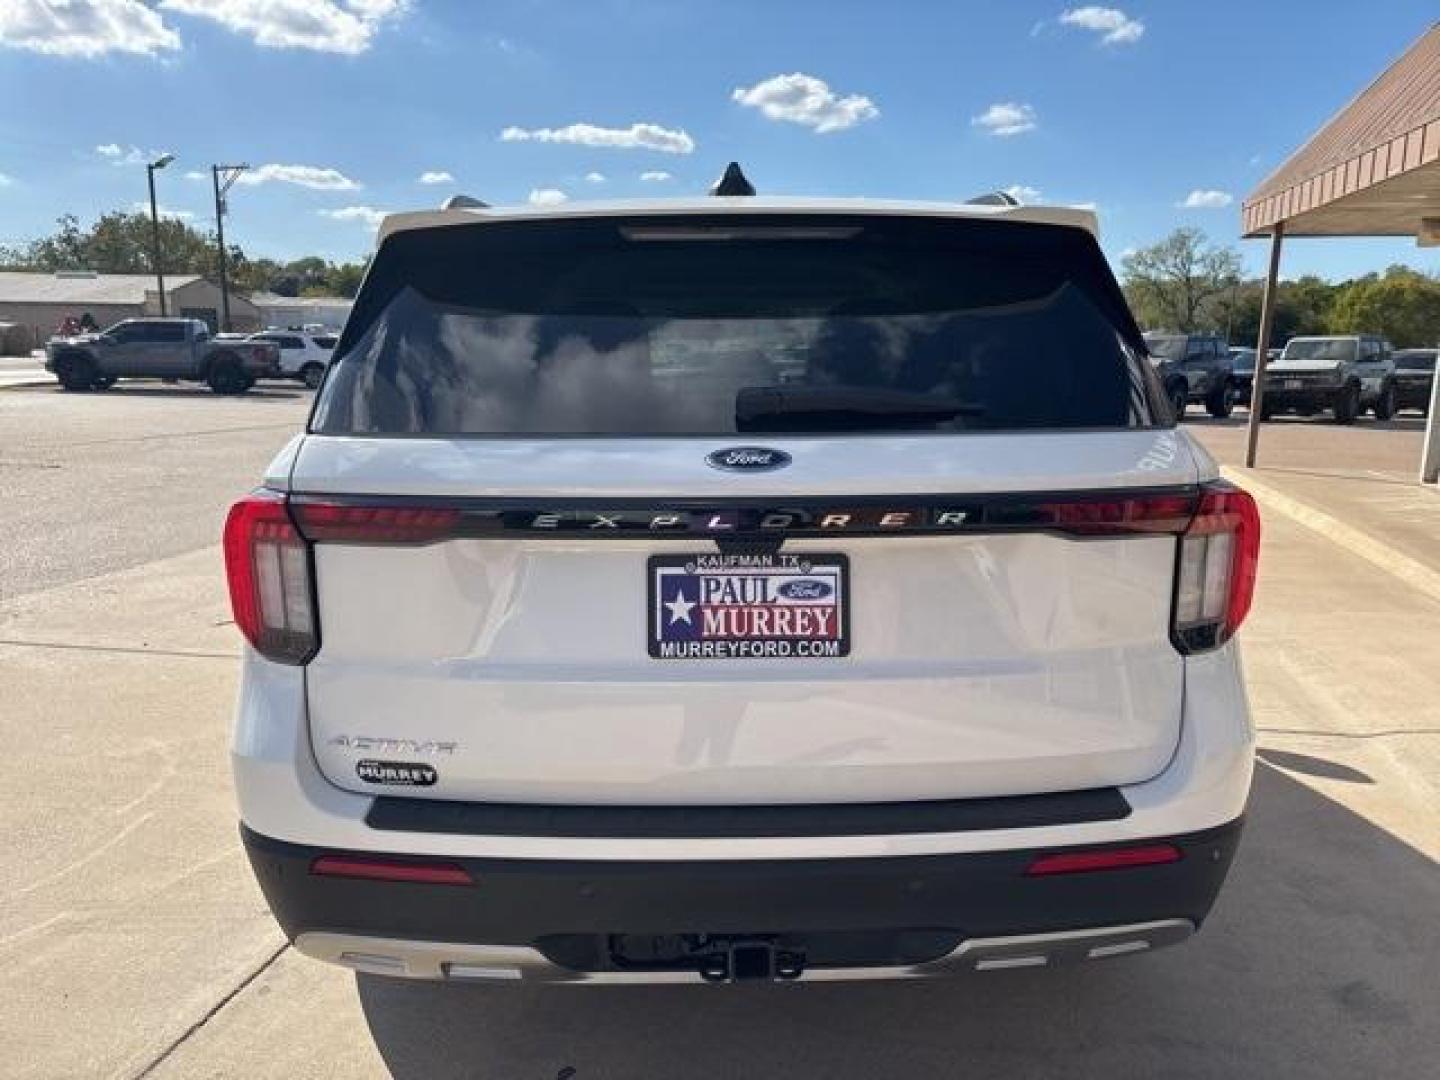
721, 325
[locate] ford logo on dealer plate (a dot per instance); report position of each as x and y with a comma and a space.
804, 589
748, 459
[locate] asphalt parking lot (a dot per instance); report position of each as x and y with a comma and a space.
135, 943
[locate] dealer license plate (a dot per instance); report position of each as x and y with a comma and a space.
732, 607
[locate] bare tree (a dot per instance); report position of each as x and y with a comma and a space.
1175, 284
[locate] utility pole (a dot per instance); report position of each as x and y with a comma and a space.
224, 176
158, 163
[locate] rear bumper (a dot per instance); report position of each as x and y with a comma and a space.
557, 920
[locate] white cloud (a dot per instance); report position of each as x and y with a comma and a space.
1007, 118
436, 176
635, 137
124, 155
196, 174
804, 99
338, 26
309, 176
1114, 26
1023, 193
6, 181
1206, 199
84, 28
163, 211
547, 197
594, 178
366, 215
656, 176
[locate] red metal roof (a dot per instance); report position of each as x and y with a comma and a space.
1390, 128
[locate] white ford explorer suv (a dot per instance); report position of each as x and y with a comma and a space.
740, 588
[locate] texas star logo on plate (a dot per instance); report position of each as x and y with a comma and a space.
727, 607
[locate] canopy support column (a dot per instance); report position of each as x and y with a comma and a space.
1430, 455
1262, 346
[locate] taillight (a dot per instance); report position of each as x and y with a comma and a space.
1215, 572
355, 524
268, 566
1146, 513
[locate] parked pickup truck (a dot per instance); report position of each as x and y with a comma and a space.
1345, 374
163, 349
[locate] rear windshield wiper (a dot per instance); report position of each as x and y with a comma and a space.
843, 408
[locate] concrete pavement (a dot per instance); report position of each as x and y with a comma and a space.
23, 371
93, 483
134, 942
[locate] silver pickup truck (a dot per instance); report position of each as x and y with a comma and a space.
159, 349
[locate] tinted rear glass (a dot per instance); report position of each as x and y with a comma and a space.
718, 326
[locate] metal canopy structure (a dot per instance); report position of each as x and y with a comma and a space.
1372, 170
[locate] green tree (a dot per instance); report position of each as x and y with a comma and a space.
1182, 283
121, 243
1403, 304
1301, 307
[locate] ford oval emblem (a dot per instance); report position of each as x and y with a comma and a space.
804, 589
748, 459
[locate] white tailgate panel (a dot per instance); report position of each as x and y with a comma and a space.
980, 664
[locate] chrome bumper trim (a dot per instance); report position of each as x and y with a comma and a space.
508, 963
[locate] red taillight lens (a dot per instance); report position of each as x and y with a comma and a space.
359, 866
1081, 862
374, 524
271, 589
1099, 517
1215, 575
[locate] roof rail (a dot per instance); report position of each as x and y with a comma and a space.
733, 182
464, 202
993, 198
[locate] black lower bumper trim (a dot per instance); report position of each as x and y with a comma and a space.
550, 904
707, 822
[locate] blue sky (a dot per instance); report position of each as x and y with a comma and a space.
1135, 108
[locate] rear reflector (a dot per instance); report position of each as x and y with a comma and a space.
1081, 862
267, 564
425, 873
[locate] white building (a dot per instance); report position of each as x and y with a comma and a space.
295, 311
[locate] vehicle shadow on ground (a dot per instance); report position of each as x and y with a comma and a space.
1318, 961
179, 392
1240, 420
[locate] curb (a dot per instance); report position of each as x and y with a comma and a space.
1409, 570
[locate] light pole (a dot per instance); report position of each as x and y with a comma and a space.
223, 176
158, 163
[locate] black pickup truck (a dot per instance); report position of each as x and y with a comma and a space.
1194, 368
1414, 377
